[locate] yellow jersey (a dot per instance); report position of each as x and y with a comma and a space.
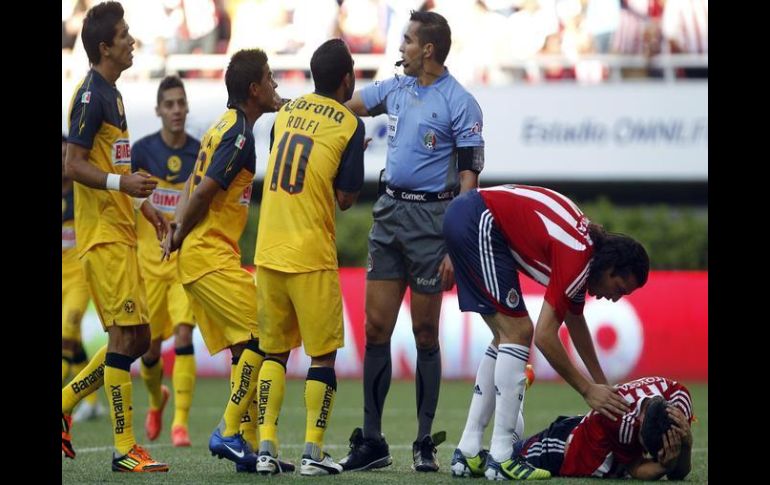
227, 156
317, 146
97, 121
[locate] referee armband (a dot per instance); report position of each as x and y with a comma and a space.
470, 158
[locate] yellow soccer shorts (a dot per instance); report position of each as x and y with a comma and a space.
74, 299
168, 306
117, 289
297, 308
225, 305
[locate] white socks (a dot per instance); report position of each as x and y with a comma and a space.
510, 382
482, 405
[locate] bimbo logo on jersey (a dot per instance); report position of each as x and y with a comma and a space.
121, 152
165, 199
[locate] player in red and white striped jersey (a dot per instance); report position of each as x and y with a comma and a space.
651, 440
492, 234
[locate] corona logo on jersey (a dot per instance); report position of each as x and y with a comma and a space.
246, 196
121, 153
165, 199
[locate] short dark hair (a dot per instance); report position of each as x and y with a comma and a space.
329, 65
621, 253
246, 66
434, 29
99, 26
656, 423
169, 82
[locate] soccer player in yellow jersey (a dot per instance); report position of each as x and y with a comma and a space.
316, 159
169, 157
99, 161
74, 299
209, 221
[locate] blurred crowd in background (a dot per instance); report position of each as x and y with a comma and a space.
493, 41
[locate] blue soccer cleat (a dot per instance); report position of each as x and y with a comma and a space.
234, 448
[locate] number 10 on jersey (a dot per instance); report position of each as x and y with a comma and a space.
287, 152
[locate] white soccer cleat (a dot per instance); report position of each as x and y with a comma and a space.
310, 467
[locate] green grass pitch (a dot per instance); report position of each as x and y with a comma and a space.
544, 401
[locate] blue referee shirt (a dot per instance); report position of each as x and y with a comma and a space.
425, 125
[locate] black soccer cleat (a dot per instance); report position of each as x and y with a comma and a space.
424, 452
366, 453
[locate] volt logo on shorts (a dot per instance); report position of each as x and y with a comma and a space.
121, 152
513, 298
427, 281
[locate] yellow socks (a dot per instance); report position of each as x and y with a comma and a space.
183, 380
244, 383
152, 375
320, 388
117, 386
85, 382
272, 385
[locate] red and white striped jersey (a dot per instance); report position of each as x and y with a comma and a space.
600, 447
548, 237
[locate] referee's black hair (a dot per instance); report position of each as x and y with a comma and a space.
433, 29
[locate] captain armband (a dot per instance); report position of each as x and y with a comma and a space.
470, 158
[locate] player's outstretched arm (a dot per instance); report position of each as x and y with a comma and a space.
183, 198
581, 337
78, 168
356, 104
600, 397
156, 218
